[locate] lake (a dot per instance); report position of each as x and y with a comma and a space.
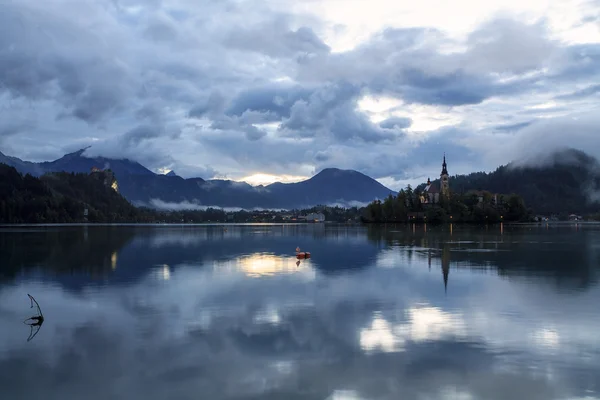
228, 312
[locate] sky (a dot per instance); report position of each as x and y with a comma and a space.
278, 90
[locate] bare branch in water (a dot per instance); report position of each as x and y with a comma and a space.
35, 322
37, 305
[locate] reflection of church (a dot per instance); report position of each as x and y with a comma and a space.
445, 257
431, 193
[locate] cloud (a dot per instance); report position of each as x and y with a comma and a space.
506, 45
581, 93
302, 41
141, 133
272, 98
396, 123
267, 90
513, 127
185, 205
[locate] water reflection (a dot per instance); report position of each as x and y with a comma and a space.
264, 264
189, 312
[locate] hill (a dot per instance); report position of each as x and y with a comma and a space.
61, 197
143, 187
566, 181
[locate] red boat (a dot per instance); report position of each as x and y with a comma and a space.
302, 254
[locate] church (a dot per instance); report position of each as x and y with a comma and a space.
431, 193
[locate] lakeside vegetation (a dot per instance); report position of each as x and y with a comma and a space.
471, 207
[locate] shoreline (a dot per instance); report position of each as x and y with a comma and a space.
156, 224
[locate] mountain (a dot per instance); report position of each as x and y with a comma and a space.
76, 162
333, 185
24, 167
171, 173
565, 181
143, 187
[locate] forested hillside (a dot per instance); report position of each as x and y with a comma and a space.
563, 184
61, 197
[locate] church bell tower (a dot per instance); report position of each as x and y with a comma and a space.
445, 188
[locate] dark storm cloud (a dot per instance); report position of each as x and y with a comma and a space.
14, 127
288, 42
140, 133
456, 88
513, 127
40, 55
278, 99
238, 125
400, 63
347, 124
331, 109
396, 122
212, 104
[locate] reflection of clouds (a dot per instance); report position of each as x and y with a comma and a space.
423, 324
375, 333
268, 315
431, 323
379, 336
547, 338
515, 313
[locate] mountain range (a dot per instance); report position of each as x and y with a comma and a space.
558, 182
143, 187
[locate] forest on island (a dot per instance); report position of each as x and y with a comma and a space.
470, 207
568, 182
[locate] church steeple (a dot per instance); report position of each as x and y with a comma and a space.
444, 166
445, 185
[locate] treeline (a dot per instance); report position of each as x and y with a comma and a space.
332, 214
470, 207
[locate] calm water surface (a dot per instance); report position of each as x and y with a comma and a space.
406, 312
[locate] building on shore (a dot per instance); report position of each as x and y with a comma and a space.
315, 217
431, 194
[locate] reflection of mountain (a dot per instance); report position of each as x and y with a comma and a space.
124, 254
71, 250
569, 257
